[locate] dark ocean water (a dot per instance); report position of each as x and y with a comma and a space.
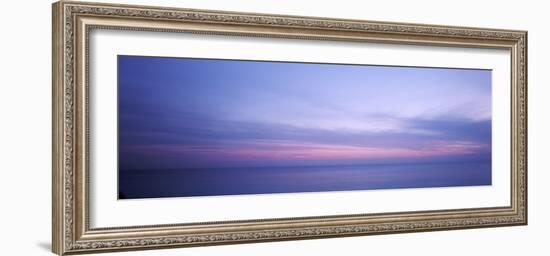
239, 181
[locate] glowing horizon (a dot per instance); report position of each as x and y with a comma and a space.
281, 151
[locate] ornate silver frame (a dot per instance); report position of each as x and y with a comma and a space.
72, 22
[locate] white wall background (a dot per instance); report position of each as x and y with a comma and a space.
25, 116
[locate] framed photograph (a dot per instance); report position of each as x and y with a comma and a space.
179, 127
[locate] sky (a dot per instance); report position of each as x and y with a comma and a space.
202, 113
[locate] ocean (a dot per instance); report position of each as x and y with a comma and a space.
134, 184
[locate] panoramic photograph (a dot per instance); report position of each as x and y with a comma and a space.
213, 127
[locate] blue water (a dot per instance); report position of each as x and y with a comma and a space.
239, 181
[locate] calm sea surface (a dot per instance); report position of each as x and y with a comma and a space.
238, 181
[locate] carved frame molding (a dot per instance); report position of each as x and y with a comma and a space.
72, 22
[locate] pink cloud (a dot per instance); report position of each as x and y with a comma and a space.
281, 150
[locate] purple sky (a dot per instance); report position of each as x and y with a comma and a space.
190, 113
